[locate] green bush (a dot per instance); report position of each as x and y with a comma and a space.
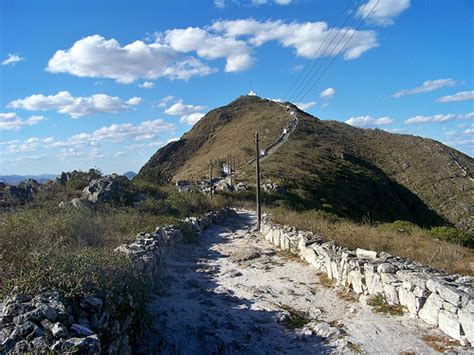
399, 227
91, 271
452, 235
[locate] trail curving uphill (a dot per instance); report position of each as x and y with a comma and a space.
233, 293
282, 138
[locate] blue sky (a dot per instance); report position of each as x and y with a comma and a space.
106, 83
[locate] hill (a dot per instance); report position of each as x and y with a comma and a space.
328, 165
130, 174
15, 179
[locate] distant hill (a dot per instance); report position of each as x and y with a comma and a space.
130, 174
15, 179
329, 165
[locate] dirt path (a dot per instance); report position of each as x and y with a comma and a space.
283, 138
233, 293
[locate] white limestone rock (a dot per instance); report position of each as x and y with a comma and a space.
449, 294
366, 254
467, 321
409, 300
391, 294
430, 311
449, 323
357, 280
374, 283
386, 268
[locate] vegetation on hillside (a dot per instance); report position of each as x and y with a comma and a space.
353, 173
443, 248
43, 246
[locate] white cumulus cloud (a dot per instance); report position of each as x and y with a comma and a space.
12, 59
181, 109
189, 114
305, 105
427, 86
304, 37
459, 96
75, 107
120, 132
384, 10
147, 85
192, 118
173, 54
211, 46
11, 122
368, 121
438, 118
95, 57
165, 100
328, 93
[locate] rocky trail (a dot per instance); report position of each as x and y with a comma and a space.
233, 292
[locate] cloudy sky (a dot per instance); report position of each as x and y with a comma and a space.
105, 83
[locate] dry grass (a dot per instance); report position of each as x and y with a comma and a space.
325, 281
418, 245
379, 305
296, 319
355, 348
439, 343
348, 296
288, 255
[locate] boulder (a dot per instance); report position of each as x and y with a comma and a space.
23, 191
467, 321
449, 323
430, 311
357, 280
366, 254
108, 189
449, 294
241, 187
223, 185
409, 300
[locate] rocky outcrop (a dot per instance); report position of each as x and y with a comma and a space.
90, 325
112, 189
21, 192
444, 301
81, 176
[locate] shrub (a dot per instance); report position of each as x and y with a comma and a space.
452, 235
438, 253
91, 271
399, 227
380, 305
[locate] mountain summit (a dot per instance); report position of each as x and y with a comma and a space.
328, 165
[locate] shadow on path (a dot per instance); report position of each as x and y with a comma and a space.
193, 312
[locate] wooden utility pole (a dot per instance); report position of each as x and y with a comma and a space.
230, 170
210, 176
257, 187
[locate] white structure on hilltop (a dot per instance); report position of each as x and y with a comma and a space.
251, 93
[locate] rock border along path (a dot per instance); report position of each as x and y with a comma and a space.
48, 323
233, 293
441, 300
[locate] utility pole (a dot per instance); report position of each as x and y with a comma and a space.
210, 176
230, 170
257, 187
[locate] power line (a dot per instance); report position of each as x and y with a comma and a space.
315, 55
345, 45
343, 34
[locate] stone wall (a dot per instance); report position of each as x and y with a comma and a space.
441, 300
50, 323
